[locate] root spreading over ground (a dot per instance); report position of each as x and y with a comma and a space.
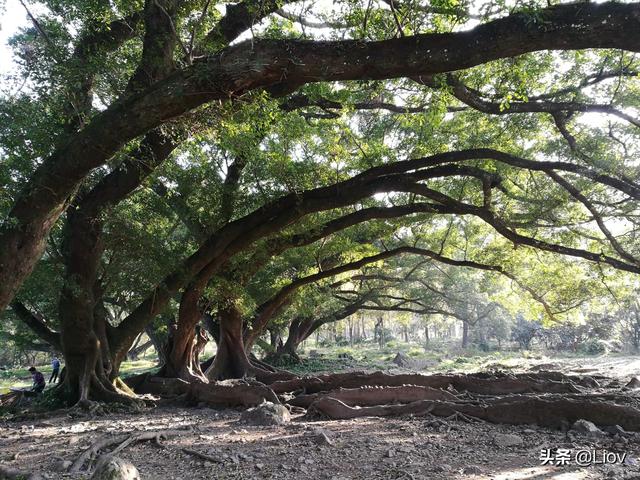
542, 400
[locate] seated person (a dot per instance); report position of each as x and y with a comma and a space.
38, 381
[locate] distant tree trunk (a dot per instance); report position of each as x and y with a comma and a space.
405, 331
139, 349
426, 335
200, 344
299, 331
158, 343
212, 325
378, 332
275, 339
465, 334
364, 330
131, 353
231, 359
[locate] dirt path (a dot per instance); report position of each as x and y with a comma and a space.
415, 448
391, 448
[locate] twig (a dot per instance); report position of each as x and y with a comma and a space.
204, 456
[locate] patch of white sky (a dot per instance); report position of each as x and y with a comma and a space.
13, 17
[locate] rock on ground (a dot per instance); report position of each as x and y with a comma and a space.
114, 468
266, 413
320, 437
586, 427
507, 440
401, 360
633, 383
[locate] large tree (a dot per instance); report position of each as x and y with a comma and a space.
177, 155
161, 89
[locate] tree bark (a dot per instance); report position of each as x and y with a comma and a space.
181, 360
231, 360
465, 334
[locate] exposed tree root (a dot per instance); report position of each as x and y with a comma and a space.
7, 473
166, 387
256, 362
121, 442
267, 377
484, 386
586, 381
532, 410
367, 396
231, 393
134, 381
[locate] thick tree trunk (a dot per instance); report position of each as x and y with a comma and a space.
85, 345
231, 359
299, 331
181, 360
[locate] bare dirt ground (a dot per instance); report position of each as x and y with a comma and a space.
367, 448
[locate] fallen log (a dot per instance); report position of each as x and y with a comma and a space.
532, 410
366, 396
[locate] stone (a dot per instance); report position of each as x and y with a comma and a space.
442, 468
114, 468
320, 437
401, 360
586, 427
62, 465
589, 382
389, 454
507, 440
266, 413
616, 430
634, 383
472, 470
